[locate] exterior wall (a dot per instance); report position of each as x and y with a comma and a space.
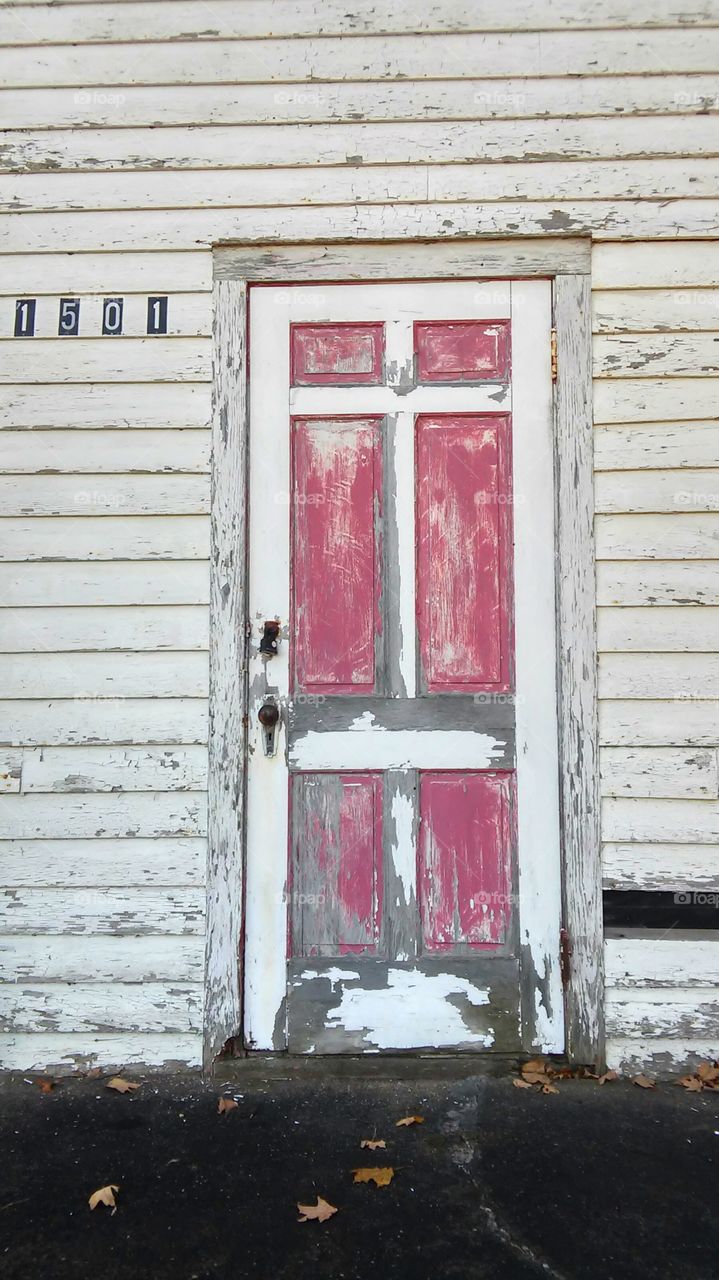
125, 161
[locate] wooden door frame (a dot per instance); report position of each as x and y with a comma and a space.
567, 264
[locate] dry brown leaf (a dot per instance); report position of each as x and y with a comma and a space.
608, 1075
708, 1073
549, 1088
319, 1212
94, 1073
692, 1083
46, 1085
644, 1082
120, 1085
224, 1105
407, 1120
381, 1177
521, 1084
373, 1144
536, 1066
106, 1195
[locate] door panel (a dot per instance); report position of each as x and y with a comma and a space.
402, 843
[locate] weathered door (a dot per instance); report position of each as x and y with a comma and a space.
403, 885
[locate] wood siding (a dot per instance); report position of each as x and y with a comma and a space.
392, 123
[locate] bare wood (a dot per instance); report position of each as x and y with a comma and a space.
661, 866
579, 771
95, 1006
103, 911
57, 769
674, 1015
228, 610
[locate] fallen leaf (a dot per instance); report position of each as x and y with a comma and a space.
608, 1075
381, 1177
106, 1195
94, 1073
374, 1144
224, 1105
521, 1084
692, 1083
407, 1120
708, 1073
549, 1088
536, 1071
120, 1085
319, 1212
644, 1082
46, 1086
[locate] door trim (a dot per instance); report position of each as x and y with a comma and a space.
567, 263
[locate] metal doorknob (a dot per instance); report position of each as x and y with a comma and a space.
268, 715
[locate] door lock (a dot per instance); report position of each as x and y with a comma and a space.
270, 638
269, 718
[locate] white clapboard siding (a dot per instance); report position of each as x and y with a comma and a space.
104, 404
661, 961
83, 583
237, 188
104, 675
103, 273
656, 445
102, 911
666, 582
138, 628
63, 495
659, 1057
659, 675
655, 628
96, 1006
329, 101
83, 862
101, 538
102, 451
655, 266
89, 768
693, 821
660, 866
672, 723
102, 959
653, 399
63, 1053
76, 721
188, 314
134, 814
56, 23
689, 489
10, 767
655, 310
656, 355
154, 359
679, 1014
679, 536
661, 773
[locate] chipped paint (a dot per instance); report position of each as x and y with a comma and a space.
367, 744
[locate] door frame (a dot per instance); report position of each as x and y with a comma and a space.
567, 264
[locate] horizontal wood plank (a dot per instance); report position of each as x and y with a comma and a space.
103, 273
96, 1006
136, 628
653, 399
67, 495
676, 723
646, 1014
661, 962
656, 445
10, 768
105, 404
188, 314
94, 583
66, 1053
71, 451
683, 264
84, 863
154, 359
688, 489
114, 721
656, 355
660, 866
655, 537
659, 1057
660, 773
104, 675
648, 629
679, 676
102, 959
103, 911
689, 821
134, 814
102, 538
665, 582
654, 310
89, 768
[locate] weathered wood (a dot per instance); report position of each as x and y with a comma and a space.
96, 1006
228, 671
105, 538
106, 404
101, 273
659, 675
114, 721
188, 314
654, 491
104, 675
57, 769
138, 627
655, 445
678, 630
85, 583
134, 814
102, 959
660, 961
662, 867
659, 773
10, 766
670, 1015
103, 911
653, 400
656, 355
72, 863
579, 772
693, 821
660, 1057
655, 266
129, 359
666, 582
650, 537
44, 452
688, 723
655, 310
96, 494
64, 1053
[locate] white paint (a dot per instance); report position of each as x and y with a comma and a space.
489, 398
367, 745
404, 466
334, 975
403, 848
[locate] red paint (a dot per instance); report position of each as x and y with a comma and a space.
462, 350
464, 859
464, 552
337, 889
336, 353
336, 553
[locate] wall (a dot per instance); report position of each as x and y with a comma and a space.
138, 135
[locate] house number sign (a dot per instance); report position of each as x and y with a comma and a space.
68, 319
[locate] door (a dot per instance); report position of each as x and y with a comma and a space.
403, 871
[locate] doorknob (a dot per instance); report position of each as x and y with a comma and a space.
269, 717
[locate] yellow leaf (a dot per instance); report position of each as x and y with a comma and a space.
644, 1082
407, 1120
521, 1084
120, 1085
319, 1212
106, 1195
374, 1144
224, 1105
381, 1177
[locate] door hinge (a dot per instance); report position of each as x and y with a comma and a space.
565, 957
553, 353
